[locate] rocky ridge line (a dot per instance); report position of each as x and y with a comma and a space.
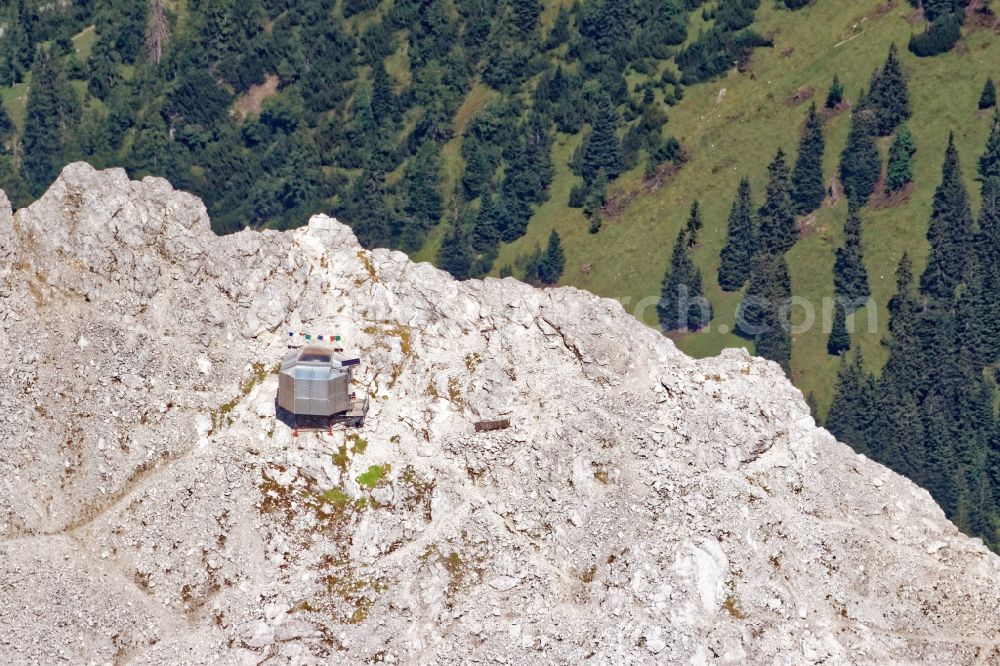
644, 507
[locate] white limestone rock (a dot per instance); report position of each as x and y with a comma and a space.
644, 507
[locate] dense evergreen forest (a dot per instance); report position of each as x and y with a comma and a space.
453, 129
273, 109
931, 414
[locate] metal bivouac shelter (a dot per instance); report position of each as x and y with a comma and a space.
315, 383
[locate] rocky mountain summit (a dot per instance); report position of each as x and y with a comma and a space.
643, 507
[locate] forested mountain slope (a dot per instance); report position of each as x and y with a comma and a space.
569, 143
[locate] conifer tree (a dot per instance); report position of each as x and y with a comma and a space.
888, 96
958, 410
807, 177
517, 213
835, 95
760, 316
382, 99
944, 31
988, 239
303, 179
904, 370
900, 169
839, 340
361, 131
775, 344
151, 152
949, 231
553, 262
973, 417
526, 13
610, 26
594, 200
775, 341
503, 217
989, 97
853, 409
763, 287
976, 316
529, 162
568, 101
899, 431
981, 508
898, 426
993, 466
778, 232
423, 202
904, 284
455, 255
850, 277
863, 104
480, 165
7, 128
693, 224
941, 468
860, 163
935, 9
734, 267
603, 149
904, 374
53, 111
813, 407
103, 66
560, 29
13, 184
365, 206
485, 235
682, 305
124, 23
17, 47
989, 162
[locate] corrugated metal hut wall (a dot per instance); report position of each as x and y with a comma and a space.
339, 392
286, 391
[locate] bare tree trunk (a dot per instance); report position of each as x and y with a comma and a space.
157, 32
